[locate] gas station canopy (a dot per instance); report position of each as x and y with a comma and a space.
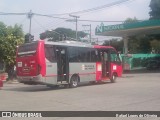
129, 29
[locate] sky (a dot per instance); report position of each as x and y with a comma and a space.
130, 9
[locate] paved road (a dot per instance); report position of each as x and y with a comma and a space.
132, 92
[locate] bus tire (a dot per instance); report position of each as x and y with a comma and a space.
113, 78
74, 81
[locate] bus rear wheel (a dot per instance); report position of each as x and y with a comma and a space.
113, 78
74, 81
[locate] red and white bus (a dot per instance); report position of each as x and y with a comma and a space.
66, 62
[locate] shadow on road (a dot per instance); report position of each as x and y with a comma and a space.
39, 88
30, 88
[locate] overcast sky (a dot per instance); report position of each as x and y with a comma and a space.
133, 8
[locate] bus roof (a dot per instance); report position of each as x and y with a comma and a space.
100, 46
69, 43
74, 43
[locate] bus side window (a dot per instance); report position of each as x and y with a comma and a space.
84, 54
73, 54
94, 56
50, 53
88, 55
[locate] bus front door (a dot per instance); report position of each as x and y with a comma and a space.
62, 64
105, 64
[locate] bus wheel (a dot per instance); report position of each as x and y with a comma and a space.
74, 81
113, 78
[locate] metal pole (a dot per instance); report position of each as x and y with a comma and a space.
90, 33
76, 19
30, 15
76, 28
90, 37
30, 24
125, 45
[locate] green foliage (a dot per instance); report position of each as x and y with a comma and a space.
139, 44
10, 38
145, 46
133, 45
136, 62
155, 14
131, 20
61, 33
117, 44
155, 44
155, 9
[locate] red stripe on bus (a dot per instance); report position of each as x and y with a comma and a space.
70, 74
50, 75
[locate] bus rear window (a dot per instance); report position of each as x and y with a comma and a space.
27, 49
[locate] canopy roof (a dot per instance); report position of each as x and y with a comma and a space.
129, 29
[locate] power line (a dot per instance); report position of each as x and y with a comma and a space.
42, 27
78, 12
3, 13
30, 14
102, 7
102, 20
50, 16
65, 18
95, 8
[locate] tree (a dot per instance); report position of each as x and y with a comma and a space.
133, 45
144, 45
117, 44
3, 34
131, 20
155, 44
10, 38
155, 9
138, 44
155, 14
61, 33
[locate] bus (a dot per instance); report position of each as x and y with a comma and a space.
66, 63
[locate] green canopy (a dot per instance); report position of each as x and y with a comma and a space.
129, 29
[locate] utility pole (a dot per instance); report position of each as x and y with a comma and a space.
90, 37
76, 20
30, 15
97, 41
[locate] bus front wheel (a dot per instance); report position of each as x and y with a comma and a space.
113, 78
74, 81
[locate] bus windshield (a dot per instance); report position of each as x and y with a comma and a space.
27, 49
